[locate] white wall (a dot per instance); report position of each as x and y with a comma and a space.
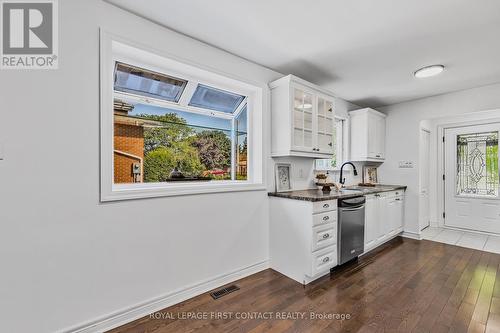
67, 259
402, 138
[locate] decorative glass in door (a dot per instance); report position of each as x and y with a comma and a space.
477, 164
302, 119
325, 125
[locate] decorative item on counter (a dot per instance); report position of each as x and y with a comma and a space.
283, 174
323, 181
369, 175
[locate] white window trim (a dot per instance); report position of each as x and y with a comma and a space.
114, 47
345, 142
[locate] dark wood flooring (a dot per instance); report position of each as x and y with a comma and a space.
406, 286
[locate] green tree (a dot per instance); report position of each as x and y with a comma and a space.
173, 129
159, 162
214, 149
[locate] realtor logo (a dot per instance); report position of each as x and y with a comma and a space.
29, 34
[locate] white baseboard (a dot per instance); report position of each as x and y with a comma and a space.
412, 235
140, 310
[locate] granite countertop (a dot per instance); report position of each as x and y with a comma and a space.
347, 192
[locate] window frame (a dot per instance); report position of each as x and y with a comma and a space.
344, 144
114, 48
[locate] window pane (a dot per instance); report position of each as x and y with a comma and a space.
477, 164
151, 142
215, 99
142, 82
241, 145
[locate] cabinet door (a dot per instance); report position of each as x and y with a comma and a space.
392, 217
383, 214
302, 127
380, 150
325, 123
371, 222
376, 136
372, 135
399, 215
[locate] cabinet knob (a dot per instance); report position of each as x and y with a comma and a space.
327, 259
326, 218
325, 236
326, 205
330, 144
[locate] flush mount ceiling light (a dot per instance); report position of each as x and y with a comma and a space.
428, 71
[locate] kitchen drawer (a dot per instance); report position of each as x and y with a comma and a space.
324, 218
323, 236
323, 260
324, 206
397, 193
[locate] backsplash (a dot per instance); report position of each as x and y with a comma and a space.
303, 173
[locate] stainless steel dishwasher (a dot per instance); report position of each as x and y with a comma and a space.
351, 228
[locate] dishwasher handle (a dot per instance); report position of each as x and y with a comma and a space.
352, 209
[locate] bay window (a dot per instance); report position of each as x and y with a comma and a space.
170, 128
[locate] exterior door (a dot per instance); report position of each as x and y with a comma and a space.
424, 209
472, 177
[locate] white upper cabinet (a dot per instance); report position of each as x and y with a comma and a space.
367, 135
302, 119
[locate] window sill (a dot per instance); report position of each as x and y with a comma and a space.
155, 190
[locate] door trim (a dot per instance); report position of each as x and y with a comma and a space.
428, 131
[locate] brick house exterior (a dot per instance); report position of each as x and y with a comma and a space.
128, 145
129, 150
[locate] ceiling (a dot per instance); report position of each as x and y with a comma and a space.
364, 51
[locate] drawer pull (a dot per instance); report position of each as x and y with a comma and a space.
398, 199
326, 218
326, 206
326, 259
325, 236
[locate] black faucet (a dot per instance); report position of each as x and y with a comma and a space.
342, 180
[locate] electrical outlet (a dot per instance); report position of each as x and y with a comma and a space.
406, 164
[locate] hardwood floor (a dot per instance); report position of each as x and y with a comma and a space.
406, 286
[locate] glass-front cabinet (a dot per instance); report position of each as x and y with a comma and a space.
302, 119
313, 121
325, 121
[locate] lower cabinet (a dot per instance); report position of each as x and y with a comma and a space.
303, 234
384, 214
303, 238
